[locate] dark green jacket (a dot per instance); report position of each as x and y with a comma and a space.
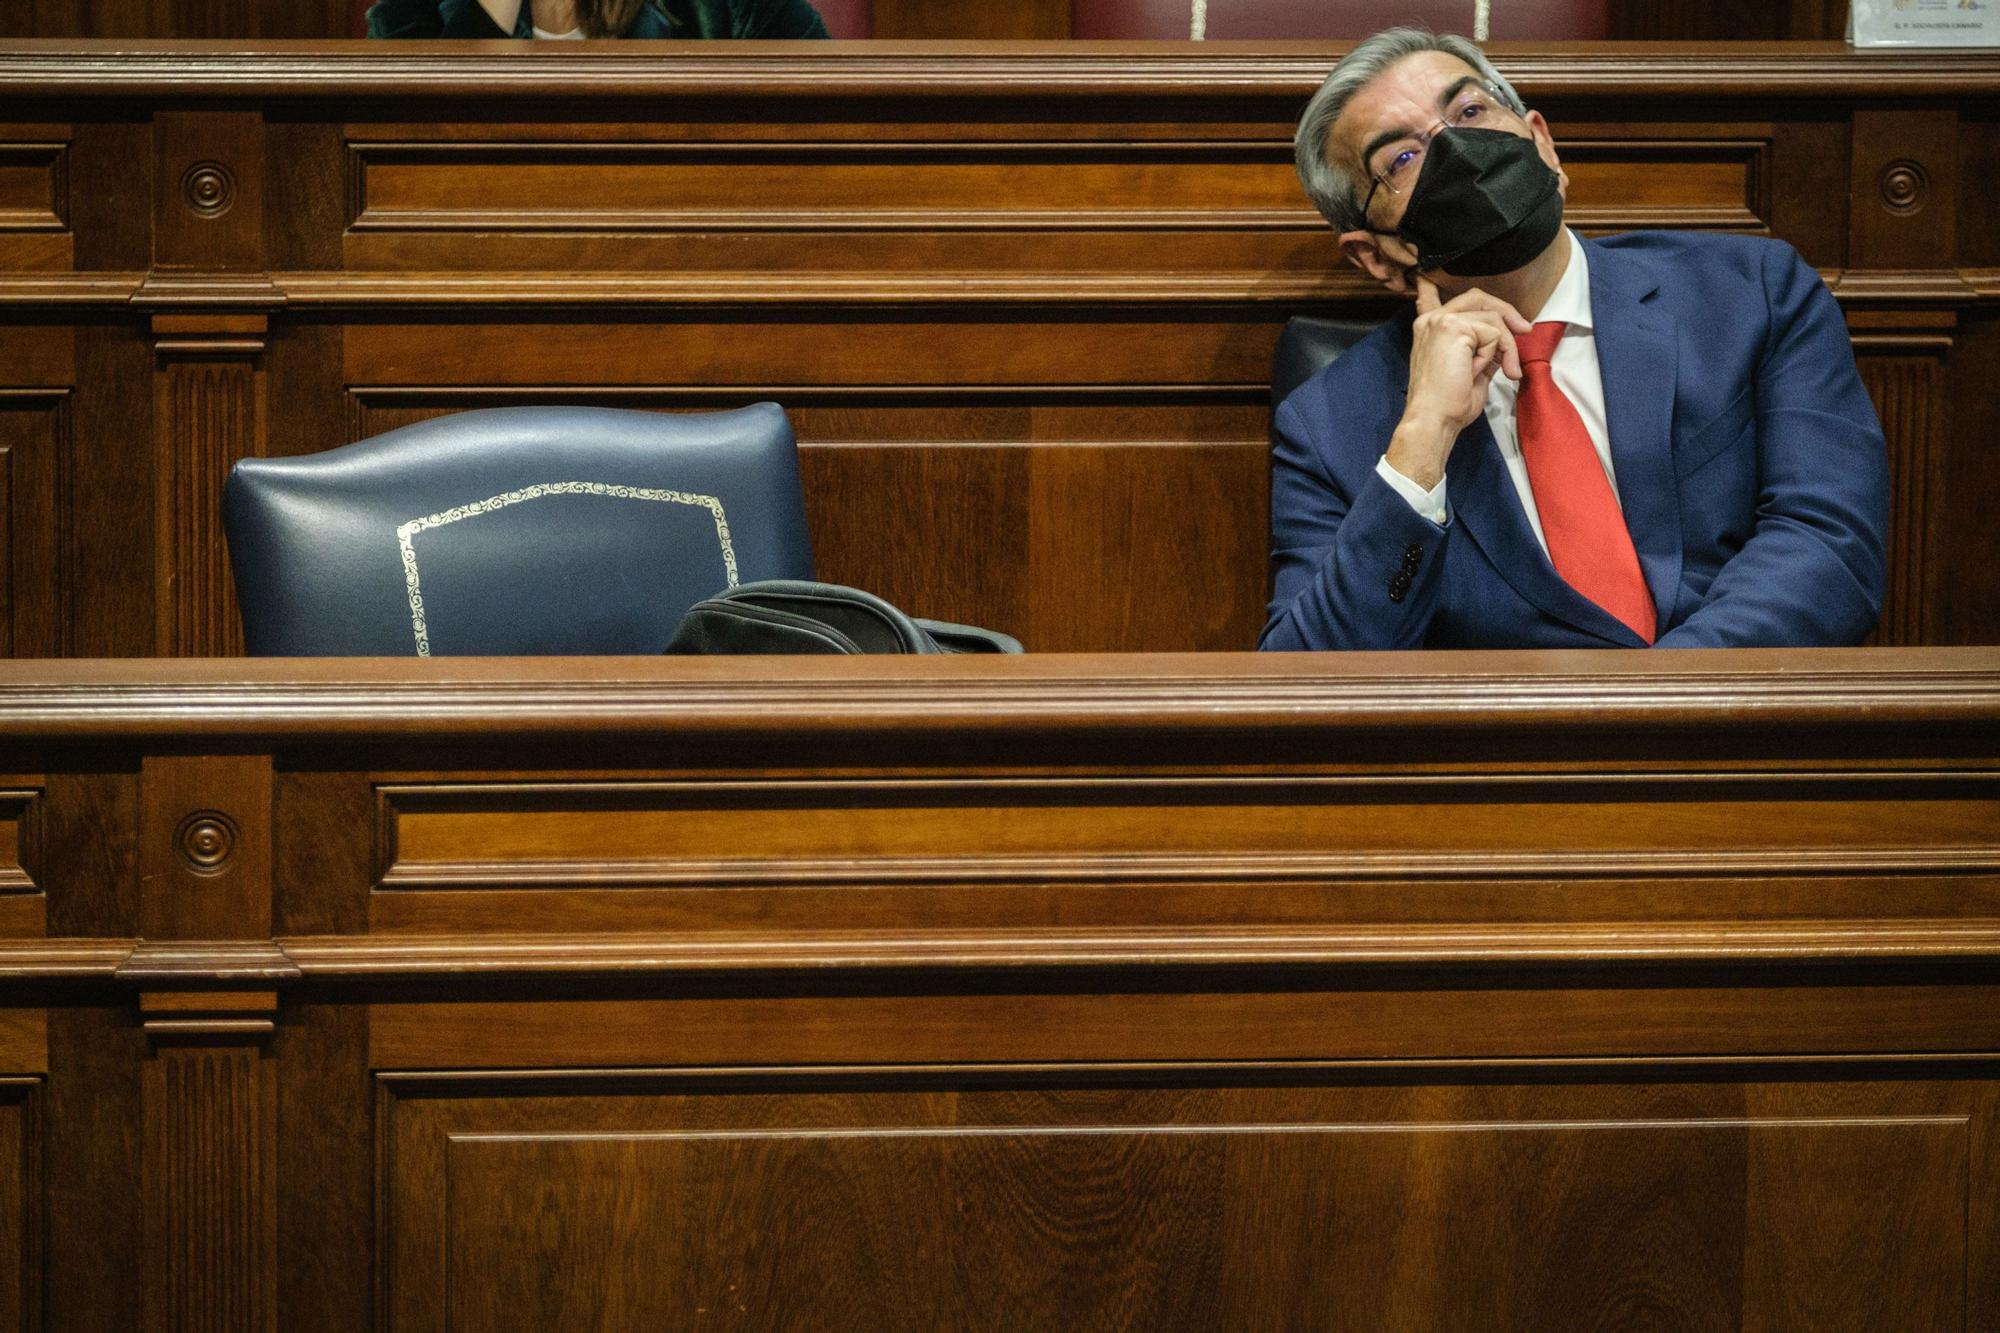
702, 18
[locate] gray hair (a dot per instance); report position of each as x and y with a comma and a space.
1332, 189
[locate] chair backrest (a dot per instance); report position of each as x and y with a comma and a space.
514, 530
1349, 20
1308, 343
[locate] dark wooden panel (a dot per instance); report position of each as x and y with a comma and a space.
1711, 1206
94, 1241
923, 348
1905, 205
20, 1203
1968, 576
205, 847
1120, 983
34, 197
111, 582
34, 439
1419, 1023
802, 187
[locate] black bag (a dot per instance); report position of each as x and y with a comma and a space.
793, 616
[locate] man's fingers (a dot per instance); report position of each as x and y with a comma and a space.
1476, 299
1427, 295
1487, 331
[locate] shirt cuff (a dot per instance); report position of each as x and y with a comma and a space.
1429, 504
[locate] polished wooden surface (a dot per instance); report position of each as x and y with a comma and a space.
1019, 298
1342, 991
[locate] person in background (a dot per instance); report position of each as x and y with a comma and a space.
1658, 438
595, 18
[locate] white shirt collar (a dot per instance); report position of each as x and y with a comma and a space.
1570, 301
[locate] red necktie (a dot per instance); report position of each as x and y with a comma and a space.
1581, 521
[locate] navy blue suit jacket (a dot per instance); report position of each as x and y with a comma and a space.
1750, 465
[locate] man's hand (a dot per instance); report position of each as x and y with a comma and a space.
1456, 348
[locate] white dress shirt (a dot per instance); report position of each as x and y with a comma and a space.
1576, 372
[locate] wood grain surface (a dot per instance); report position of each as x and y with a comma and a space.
1117, 991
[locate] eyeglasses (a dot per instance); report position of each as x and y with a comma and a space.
1396, 166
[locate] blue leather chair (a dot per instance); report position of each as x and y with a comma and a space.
1308, 344
514, 530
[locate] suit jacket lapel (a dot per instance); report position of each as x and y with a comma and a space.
1636, 355
1483, 498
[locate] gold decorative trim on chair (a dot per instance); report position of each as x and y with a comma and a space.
416, 525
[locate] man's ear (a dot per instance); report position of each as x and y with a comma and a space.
1545, 144
1364, 250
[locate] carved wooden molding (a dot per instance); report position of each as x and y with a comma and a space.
319, 290
49, 214
208, 1015
1943, 691
954, 951
1289, 71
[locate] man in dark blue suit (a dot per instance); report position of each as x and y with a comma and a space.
1659, 438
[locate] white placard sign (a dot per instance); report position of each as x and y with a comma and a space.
1924, 22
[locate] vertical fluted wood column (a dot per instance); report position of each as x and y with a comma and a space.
209, 413
210, 1219
1910, 397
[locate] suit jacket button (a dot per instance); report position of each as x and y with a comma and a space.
1399, 586
1412, 557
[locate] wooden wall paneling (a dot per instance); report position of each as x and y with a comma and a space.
1125, 974
112, 161
325, 1186
306, 190
1806, 153
210, 1088
1979, 209
23, 870
94, 1127
34, 198
35, 446
110, 598
1909, 386
901, 203
211, 1134
21, 1211
1164, 1200
1904, 213
1903, 216
1966, 583
208, 219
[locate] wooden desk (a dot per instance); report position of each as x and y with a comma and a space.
1464, 991
1019, 298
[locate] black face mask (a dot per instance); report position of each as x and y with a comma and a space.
1484, 203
